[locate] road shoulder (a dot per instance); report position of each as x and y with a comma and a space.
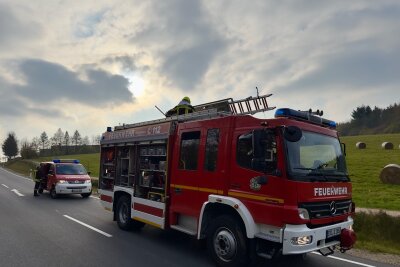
378, 257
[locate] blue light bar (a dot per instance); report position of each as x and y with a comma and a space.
66, 161
303, 116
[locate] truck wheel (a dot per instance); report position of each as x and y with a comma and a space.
123, 211
226, 242
86, 195
53, 193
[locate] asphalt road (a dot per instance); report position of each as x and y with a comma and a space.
72, 231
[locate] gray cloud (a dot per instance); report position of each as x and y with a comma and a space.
49, 81
352, 69
14, 30
45, 83
190, 41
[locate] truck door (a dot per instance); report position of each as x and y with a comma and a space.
255, 177
184, 176
195, 174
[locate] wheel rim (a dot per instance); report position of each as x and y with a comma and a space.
225, 244
123, 213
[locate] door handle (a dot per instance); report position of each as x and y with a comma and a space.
178, 190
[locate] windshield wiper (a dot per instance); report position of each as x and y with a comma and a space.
314, 172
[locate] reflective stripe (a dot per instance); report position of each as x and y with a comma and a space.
257, 197
201, 189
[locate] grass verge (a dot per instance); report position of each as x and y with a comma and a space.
377, 232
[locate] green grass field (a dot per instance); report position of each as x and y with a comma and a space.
365, 165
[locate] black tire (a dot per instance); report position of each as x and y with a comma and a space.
40, 190
53, 193
227, 243
86, 195
123, 215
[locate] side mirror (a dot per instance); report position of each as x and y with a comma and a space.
51, 172
292, 133
89, 173
343, 148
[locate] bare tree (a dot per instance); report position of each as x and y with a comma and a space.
96, 139
44, 140
76, 138
85, 140
35, 144
66, 138
58, 137
28, 150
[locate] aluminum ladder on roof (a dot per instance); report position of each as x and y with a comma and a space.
250, 105
219, 108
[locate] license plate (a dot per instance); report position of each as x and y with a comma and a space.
333, 232
76, 190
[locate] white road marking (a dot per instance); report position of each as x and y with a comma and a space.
88, 226
4, 185
350, 261
16, 192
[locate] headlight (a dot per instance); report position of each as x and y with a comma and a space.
302, 240
303, 214
88, 181
62, 182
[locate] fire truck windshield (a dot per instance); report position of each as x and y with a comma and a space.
70, 169
316, 157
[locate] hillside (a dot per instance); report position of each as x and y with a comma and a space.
366, 120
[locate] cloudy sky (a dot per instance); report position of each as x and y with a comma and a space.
86, 65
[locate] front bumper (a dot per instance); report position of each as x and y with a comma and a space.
73, 188
319, 237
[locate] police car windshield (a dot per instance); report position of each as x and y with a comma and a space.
316, 157
70, 169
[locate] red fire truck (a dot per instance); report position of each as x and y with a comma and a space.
248, 186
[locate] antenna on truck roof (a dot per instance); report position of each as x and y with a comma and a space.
160, 110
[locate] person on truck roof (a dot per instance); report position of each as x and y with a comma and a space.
184, 107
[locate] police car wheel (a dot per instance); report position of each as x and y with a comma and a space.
53, 193
123, 213
226, 242
86, 195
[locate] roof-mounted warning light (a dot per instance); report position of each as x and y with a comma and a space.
66, 161
305, 116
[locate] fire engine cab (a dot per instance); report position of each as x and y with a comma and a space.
246, 185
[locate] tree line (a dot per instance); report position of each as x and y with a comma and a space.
365, 120
60, 143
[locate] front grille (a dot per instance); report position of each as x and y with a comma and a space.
318, 210
77, 187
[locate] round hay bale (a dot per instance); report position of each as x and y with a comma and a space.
387, 145
361, 145
390, 174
